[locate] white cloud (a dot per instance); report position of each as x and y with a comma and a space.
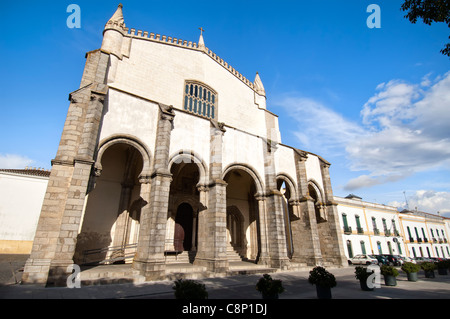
14, 161
408, 130
319, 127
369, 181
428, 201
405, 128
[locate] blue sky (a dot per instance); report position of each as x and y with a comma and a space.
373, 102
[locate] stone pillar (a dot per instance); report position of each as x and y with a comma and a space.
152, 233
69, 182
335, 251
263, 257
212, 232
305, 234
274, 215
61, 214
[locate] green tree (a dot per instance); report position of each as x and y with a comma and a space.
430, 11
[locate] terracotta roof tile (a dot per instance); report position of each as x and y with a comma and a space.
28, 171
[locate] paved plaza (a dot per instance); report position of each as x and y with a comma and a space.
234, 287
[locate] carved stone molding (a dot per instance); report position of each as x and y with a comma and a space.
167, 112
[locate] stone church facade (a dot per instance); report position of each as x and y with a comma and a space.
167, 149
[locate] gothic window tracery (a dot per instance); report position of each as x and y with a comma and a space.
200, 99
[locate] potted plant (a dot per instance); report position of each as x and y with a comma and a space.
269, 288
390, 275
362, 274
411, 270
442, 267
323, 280
189, 290
428, 268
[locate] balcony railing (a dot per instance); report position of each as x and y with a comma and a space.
347, 230
360, 230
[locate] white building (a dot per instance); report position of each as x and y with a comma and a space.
21, 195
370, 228
426, 235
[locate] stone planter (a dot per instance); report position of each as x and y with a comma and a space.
429, 274
323, 292
442, 271
363, 284
412, 276
390, 280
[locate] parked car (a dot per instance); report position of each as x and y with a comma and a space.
408, 260
363, 260
394, 260
381, 259
423, 260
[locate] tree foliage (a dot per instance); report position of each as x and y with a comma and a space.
429, 11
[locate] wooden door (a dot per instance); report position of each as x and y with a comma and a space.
183, 228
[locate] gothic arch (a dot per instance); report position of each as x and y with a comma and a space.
251, 171
243, 187
289, 181
315, 186
316, 193
125, 139
189, 156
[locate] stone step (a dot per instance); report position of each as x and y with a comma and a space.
299, 266
232, 255
110, 274
248, 268
184, 271
180, 258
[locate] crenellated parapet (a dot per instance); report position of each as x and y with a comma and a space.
173, 41
112, 42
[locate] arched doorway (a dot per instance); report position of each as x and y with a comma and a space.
242, 215
184, 196
111, 219
286, 190
235, 233
183, 228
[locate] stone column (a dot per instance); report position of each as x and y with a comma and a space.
263, 257
61, 214
305, 234
276, 232
336, 253
212, 232
152, 233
